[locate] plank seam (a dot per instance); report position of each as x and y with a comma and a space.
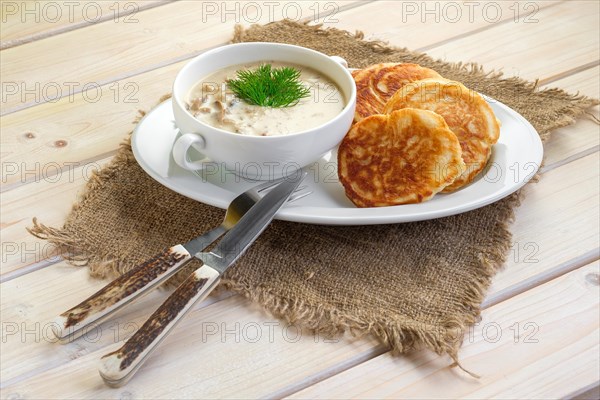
476, 31
540, 279
585, 391
565, 74
77, 25
24, 270
574, 157
336, 369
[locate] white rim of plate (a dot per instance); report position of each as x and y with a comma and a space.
220, 197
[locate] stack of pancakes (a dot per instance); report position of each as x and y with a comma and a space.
415, 134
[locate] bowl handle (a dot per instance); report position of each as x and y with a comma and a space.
340, 61
182, 146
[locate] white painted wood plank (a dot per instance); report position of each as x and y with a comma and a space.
556, 222
26, 21
68, 133
564, 37
541, 344
582, 137
584, 82
50, 200
28, 346
421, 25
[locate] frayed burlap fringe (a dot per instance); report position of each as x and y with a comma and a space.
323, 288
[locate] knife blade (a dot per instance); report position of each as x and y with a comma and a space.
250, 226
118, 367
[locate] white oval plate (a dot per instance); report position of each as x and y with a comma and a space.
515, 160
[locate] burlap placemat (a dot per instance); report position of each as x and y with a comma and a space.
415, 284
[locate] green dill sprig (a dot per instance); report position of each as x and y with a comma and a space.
269, 87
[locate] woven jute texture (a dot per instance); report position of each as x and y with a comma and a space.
410, 285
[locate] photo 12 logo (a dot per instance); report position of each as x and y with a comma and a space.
69, 11
471, 11
51, 92
50, 172
253, 12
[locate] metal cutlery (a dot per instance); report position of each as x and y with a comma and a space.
148, 275
119, 366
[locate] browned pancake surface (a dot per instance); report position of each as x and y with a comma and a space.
465, 111
405, 157
377, 83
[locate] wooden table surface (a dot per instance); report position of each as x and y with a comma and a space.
74, 75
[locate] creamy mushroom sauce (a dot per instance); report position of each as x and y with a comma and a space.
211, 102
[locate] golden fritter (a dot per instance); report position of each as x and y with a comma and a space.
467, 114
405, 157
377, 83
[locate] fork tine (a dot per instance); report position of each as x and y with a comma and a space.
268, 188
268, 185
297, 196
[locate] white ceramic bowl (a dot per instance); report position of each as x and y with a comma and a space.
258, 157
